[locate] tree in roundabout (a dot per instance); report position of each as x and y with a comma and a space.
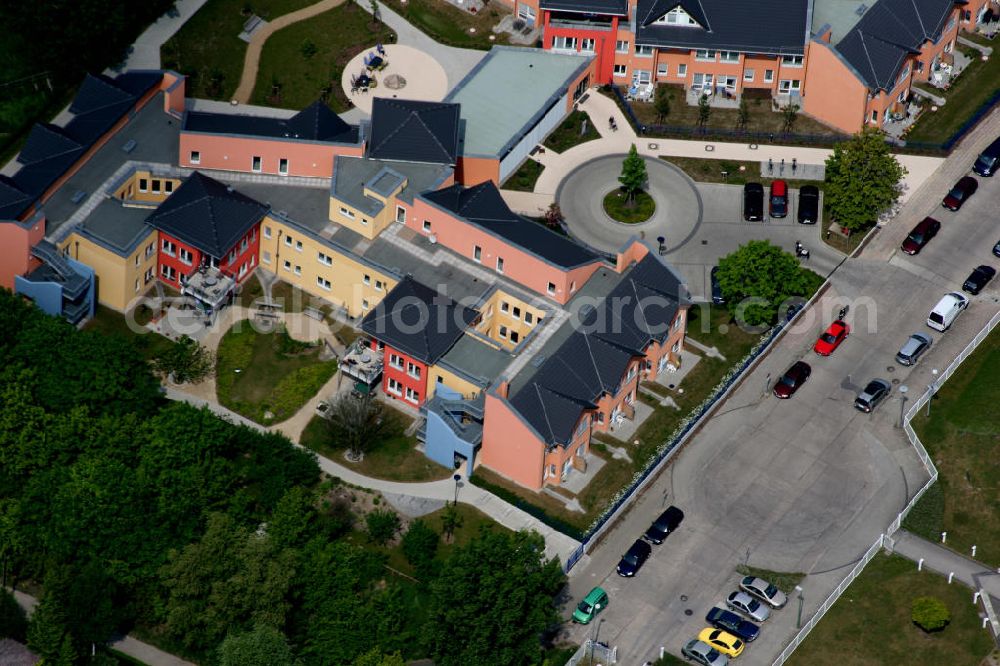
758, 278
630, 203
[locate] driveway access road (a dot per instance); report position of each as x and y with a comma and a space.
805, 484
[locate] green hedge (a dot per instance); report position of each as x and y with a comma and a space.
509, 497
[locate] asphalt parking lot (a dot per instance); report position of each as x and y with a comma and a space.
805, 484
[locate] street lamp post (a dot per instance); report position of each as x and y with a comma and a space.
458, 478
902, 404
593, 642
933, 388
798, 622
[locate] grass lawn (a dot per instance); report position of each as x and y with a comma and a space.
450, 25
338, 35
619, 209
109, 322
762, 118
870, 624
713, 326
974, 86
785, 582
524, 179
395, 459
738, 172
568, 133
257, 373
963, 438
208, 48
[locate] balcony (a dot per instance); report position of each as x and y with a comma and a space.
362, 363
946, 68
718, 98
210, 287
575, 21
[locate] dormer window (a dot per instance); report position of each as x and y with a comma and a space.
676, 16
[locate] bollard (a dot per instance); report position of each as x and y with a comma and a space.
986, 621
920, 564
973, 551
975, 598
662, 651
944, 537
950, 576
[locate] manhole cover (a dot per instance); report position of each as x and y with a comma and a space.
670, 386
684, 597
895, 381
890, 368
688, 612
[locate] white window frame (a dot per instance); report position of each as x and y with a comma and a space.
791, 61
588, 44
394, 387
265, 256
768, 76
412, 396
729, 56
620, 71
413, 370
705, 55
323, 283
298, 270
643, 51
662, 70
195, 157
500, 265
189, 260
324, 258
346, 213
256, 163
267, 232
748, 74
682, 71
477, 254
283, 166
427, 226
622, 46
563, 43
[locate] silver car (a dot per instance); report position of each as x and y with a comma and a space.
704, 654
741, 602
913, 349
874, 392
764, 591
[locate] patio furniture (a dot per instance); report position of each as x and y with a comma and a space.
380, 49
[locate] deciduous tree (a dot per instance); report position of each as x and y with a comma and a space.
863, 180
358, 424
383, 525
757, 278
420, 544
185, 361
263, 645
704, 110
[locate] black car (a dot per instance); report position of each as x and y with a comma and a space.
733, 623
808, 204
753, 202
717, 297
980, 278
996, 249
668, 521
633, 560
875, 392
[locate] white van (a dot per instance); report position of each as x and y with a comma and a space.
944, 313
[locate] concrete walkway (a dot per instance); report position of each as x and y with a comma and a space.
146, 49
251, 60
600, 108
556, 543
133, 647
944, 561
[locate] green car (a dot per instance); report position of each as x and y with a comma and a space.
592, 604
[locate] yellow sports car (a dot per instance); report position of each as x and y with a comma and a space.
722, 641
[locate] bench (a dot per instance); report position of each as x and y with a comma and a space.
252, 23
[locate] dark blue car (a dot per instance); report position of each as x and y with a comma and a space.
733, 623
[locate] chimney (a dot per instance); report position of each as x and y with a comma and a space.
503, 388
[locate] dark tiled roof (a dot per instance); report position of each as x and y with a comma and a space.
764, 26
483, 206
418, 321
593, 360
606, 7
50, 150
13, 200
316, 122
413, 131
880, 42
207, 214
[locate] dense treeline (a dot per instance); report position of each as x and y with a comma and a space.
218, 540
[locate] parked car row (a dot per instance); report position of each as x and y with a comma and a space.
753, 202
730, 629
637, 554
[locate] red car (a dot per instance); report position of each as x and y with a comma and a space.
959, 194
793, 378
921, 235
832, 338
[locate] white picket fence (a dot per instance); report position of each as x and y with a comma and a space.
886, 537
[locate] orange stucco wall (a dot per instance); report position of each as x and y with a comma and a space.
173, 86
16, 241
474, 170
836, 96
236, 153
510, 447
520, 266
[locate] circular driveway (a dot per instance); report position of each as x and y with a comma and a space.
581, 199
416, 75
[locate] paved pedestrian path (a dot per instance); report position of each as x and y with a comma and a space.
601, 108
251, 60
556, 543
146, 49
133, 647
944, 561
